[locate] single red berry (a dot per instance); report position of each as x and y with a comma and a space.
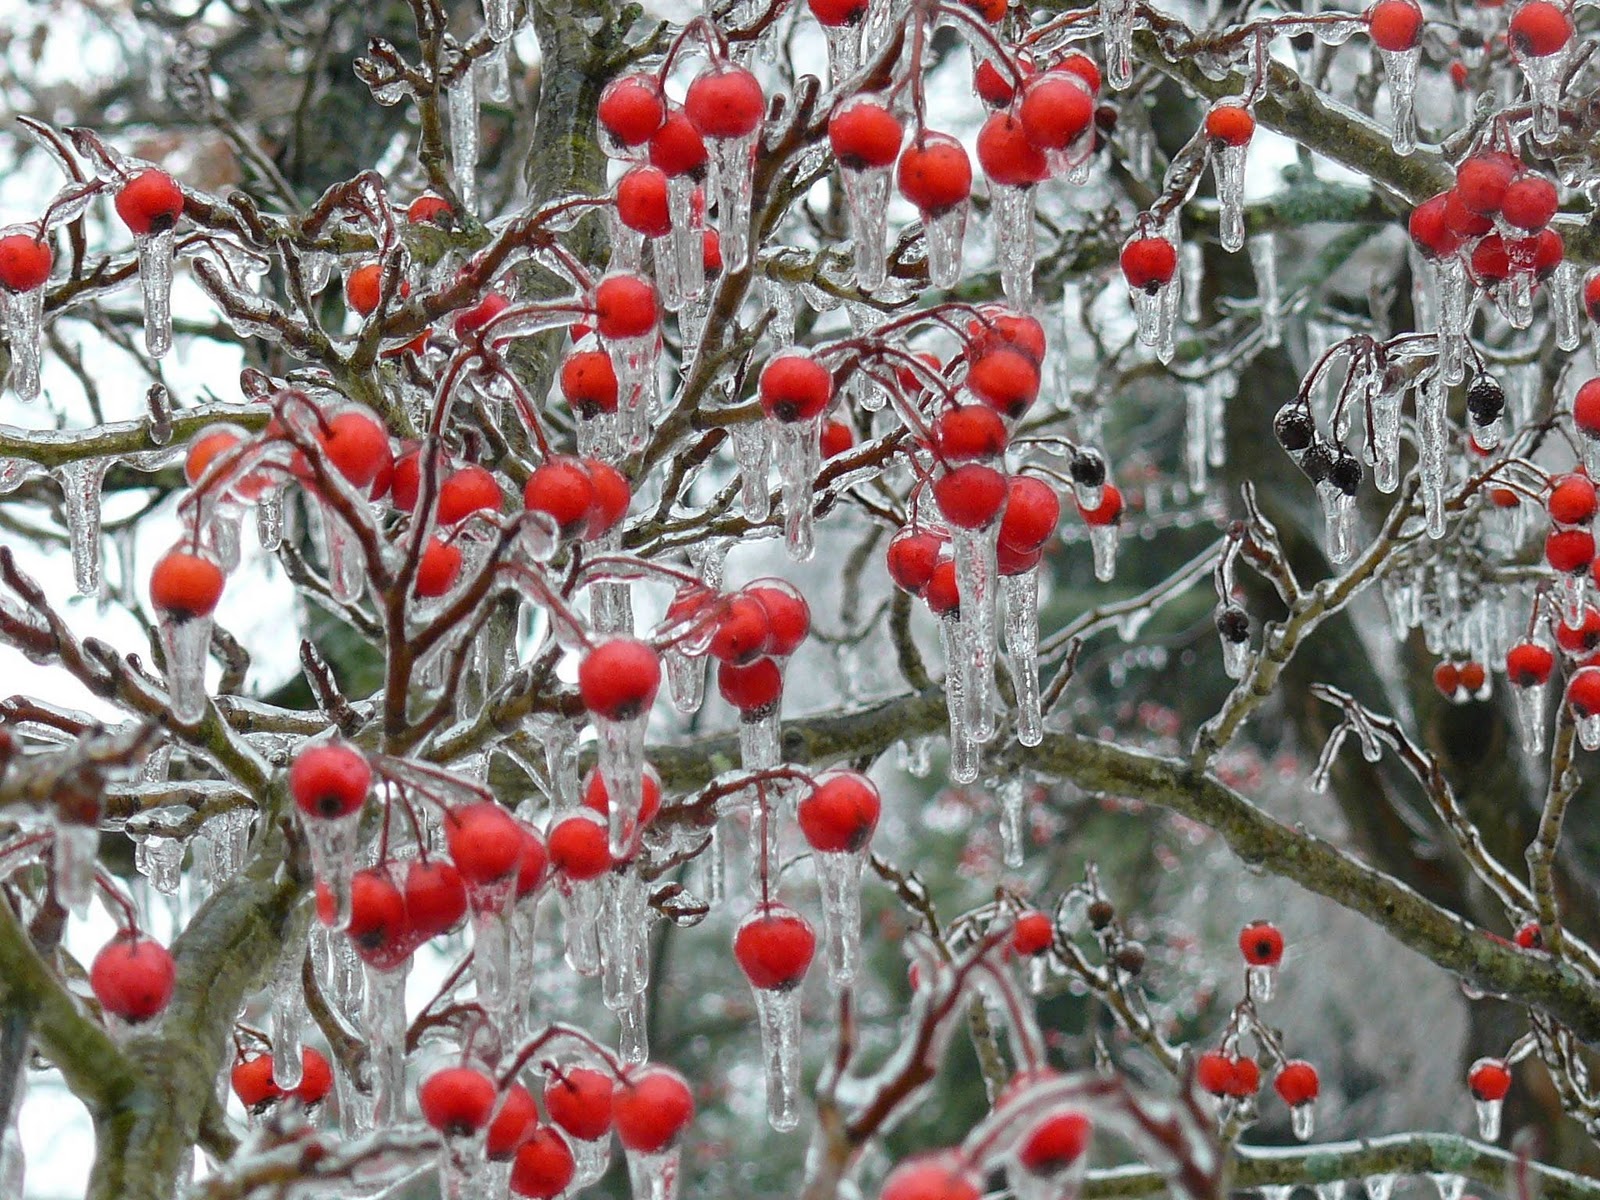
1481, 181
207, 446
1548, 251
363, 288
1148, 263
795, 387
1540, 29
1001, 328
513, 1124
1489, 1079
1110, 510
642, 202
132, 977
911, 557
378, 927
1006, 380
485, 842
435, 896
942, 1175
533, 861
579, 847
356, 446
589, 382
544, 1166
650, 1107
439, 569
774, 947
24, 262
935, 173
1214, 1072
863, 134
470, 490
1232, 124
150, 202
1083, 67
1447, 679
1461, 220
839, 814
184, 585
1586, 408
619, 679
1007, 156
1296, 1083
1583, 691
251, 1079
1246, 1078
1016, 562
1529, 664
316, 1077
1583, 638
942, 593
1591, 296
1032, 512
1490, 262
725, 101
1569, 551
579, 1101
788, 614
1034, 933
970, 433
1055, 1143
836, 13
1430, 229
677, 147
597, 799
1473, 677
625, 306
563, 489
970, 496
457, 1101
473, 319
837, 438
632, 108
330, 780
753, 689
1572, 499
611, 498
1529, 936
1529, 202
1395, 25
1261, 944
995, 85
429, 209
1056, 109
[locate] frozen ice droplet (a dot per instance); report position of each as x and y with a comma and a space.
155, 280
1565, 288
621, 760
1013, 793
80, 482
1545, 74
1449, 1187
965, 750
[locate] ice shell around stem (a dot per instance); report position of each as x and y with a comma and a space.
186, 642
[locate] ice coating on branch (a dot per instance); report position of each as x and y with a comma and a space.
463, 105
1022, 650
155, 280
80, 482
797, 447
1011, 213
22, 322
1400, 69
1264, 260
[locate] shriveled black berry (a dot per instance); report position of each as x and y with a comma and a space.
1346, 473
1294, 428
1318, 462
1233, 623
1101, 913
1088, 469
1486, 399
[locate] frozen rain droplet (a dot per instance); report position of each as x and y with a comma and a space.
1332, 1190
636, 361
1432, 432
1022, 650
1449, 1187
1544, 75
580, 902
1338, 513
1564, 287
778, 1013
622, 767
1103, 540
155, 280
1455, 316
22, 321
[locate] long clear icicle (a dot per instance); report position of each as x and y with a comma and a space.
77, 849
80, 482
797, 445
497, 18
1400, 69
155, 280
186, 642
289, 1012
1544, 75
733, 162
778, 1013
1432, 432
866, 196
1116, 25
464, 135
22, 318
1228, 163
622, 767
976, 574
1012, 216
839, 882
751, 452
383, 1017
1264, 260
965, 751
1022, 648
333, 858
945, 232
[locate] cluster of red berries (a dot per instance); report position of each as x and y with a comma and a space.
1497, 215
756, 630
1459, 682
253, 1083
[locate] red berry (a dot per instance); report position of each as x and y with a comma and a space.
252, 1081
1214, 1072
651, 1106
1296, 1083
457, 1101
1395, 24
1586, 408
363, 288
439, 568
1539, 29
995, 85
544, 1166
788, 614
942, 594
589, 382
1006, 380
1591, 296
474, 318
863, 133
132, 977
1583, 691
725, 101
938, 1176
316, 1077
968, 433
753, 689
632, 108
435, 896
1447, 679
1430, 229
840, 812
579, 847
835, 13
1569, 551
1473, 677
184, 585
513, 1124
1489, 1079
150, 202
837, 438
485, 841
1529, 936
1529, 202
970, 496
207, 446
1032, 512
642, 202
356, 446
1481, 181
1529, 664
795, 387
1007, 156
1261, 944
1572, 499
428, 209
1148, 263
1000, 328
1490, 262
1246, 1079
619, 679
597, 799
1461, 220
330, 780
1056, 109
1055, 1143
611, 498
625, 306
677, 147
579, 1101
532, 861
378, 925
1016, 562
1033, 933
1232, 124
911, 557
774, 947
24, 262
470, 490
1110, 510
1548, 250
563, 489
1583, 638
935, 173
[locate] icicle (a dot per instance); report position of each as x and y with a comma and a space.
347, 568
383, 1019
464, 135
1489, 1119
733, 162
797, 446
1431, 431
636, 361
155, 279
1338, 512
1383, 438
1192, 269
1228, 163
625, 926
1233, 630
333, 843
22, 321
498, 18
975, 553
1303, 1120
778, 1013
269, 520
866, 196
1264, 260
1260, 981
1530, 716
844, 49
1400, 68
491, 948
1564, 288
1022, 648
686, 239
1103, 541
653, 1176
77, 848
1589, 732
839, 881
580, 902
1116, 25
750, 451
1332, 1190
1455, 316
1544, 74
965, 753
633, 1045
80, 482
944, 233
1013, 794
1012, 215
186, 643
1197, 435
622, 767
288, 1012
1379, 1187
1449, 1187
